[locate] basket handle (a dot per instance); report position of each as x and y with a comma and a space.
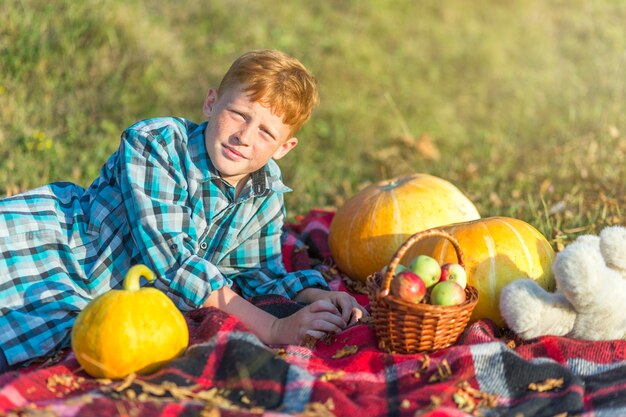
395, 260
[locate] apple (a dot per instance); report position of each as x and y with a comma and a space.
453, 271
447, 293
427, 268
408, 286
399, 269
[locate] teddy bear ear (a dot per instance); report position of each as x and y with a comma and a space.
613, 248
588, 240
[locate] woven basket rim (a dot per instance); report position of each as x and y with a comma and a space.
395, 259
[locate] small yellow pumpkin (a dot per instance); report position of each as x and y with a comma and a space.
496, 251
368, 229
129, 330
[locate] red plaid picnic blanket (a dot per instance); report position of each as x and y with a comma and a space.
228, 371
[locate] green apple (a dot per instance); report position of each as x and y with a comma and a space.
447, 293
399, 268
427, 268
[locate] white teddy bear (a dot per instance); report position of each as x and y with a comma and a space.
590, 297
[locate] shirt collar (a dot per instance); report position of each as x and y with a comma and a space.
259, 183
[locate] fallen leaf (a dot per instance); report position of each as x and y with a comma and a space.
346, 351
443, 372
309, 341
332, 375
427, 148
63, 383
318, 409
547, 385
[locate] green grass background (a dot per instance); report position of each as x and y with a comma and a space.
520, 103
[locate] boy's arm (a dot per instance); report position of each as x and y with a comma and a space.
315, 319
256, 264
260, 270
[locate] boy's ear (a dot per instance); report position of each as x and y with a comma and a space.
209, 101
285, 148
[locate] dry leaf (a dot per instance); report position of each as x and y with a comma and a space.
31, 410
547, 385
546, 186
495, 199
317, 409
346, 351
464, 401
309, 341
210, 411
427, 148
472, 398
443, 372
435, 401
332, 375
63, 383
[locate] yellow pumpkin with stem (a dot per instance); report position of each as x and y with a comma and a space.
129, 330
370, 226
496, 251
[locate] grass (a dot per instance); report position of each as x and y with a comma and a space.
521, 104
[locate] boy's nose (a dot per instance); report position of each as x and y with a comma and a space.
243, 137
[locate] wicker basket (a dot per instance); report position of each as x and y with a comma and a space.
402, 327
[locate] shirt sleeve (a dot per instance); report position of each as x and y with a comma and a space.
155, 193
256, 264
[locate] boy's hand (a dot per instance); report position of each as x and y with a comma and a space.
315, 319
350, 310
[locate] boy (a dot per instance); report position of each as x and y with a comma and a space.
202, 205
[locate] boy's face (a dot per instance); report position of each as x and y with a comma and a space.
243, 135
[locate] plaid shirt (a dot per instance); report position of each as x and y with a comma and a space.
158, 200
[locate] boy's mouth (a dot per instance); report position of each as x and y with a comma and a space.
232, 153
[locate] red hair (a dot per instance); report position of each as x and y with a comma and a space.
278, 81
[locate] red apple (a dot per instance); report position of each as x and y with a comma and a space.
408, 286
447, 293
427, 268
453, 272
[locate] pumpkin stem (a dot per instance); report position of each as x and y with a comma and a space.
131, 281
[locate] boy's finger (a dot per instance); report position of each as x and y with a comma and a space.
358, 312
355, 315
326, 326
346, 309
334, 319
323, 305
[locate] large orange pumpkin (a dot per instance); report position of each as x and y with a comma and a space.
368, 229
129, 330
496, 251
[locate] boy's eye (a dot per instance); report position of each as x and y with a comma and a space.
267, 133
238, 114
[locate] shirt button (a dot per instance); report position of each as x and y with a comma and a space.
203, 246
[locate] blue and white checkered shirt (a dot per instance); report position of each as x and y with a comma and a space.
158, 200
